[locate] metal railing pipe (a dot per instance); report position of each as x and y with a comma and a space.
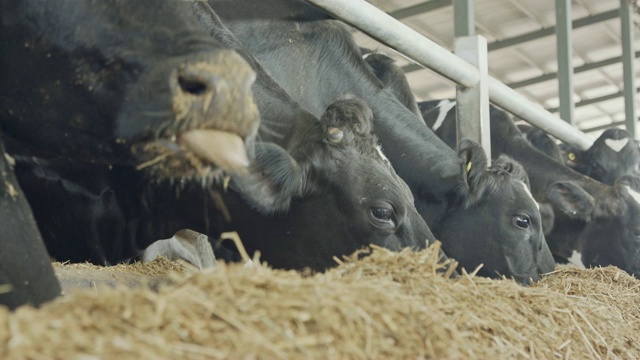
391, 32
502, 95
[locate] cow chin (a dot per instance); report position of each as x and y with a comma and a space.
191, 160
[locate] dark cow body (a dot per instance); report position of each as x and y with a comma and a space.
392, 78
585, 209
541, 141
114, 84
289, 44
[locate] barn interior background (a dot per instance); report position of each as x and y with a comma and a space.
521, 38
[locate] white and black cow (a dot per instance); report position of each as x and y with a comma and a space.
594, 222
612, 155
110, 83
517, 232
315, 60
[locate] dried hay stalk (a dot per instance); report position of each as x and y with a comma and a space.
385, 305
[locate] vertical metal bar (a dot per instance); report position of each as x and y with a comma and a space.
472, 110
564, 46
464, 22
628, 65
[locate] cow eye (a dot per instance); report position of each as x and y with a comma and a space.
636, 233
521, 221
383, 216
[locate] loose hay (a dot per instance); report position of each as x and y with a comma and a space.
386, 305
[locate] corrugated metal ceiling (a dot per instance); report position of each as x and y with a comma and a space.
504, 19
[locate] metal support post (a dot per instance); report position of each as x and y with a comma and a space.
564, 46
463, 20
472, 110
628, 65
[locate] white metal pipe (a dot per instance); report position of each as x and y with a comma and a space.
391, 32
502, 95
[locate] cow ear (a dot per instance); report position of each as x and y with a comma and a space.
571, 199
474, 162
473, 171
274, 179
348, 114
547, 217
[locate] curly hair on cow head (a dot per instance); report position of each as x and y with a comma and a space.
481, 182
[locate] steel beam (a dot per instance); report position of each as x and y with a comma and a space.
472, 110
534, 35
586, 67
420, 8
564, 47
463, 20
603, 127
593, 100
628, 65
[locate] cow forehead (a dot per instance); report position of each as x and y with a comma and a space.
381, 154
634, 194
616, 145
528, 192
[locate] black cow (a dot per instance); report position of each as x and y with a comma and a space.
614, 154
289, 39
112, 84
595, 223
516, 237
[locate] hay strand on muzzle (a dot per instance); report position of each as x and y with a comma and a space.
382, 305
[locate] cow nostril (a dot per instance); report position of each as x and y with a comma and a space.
194, 85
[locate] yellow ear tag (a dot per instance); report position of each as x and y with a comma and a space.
572, 156
469, 166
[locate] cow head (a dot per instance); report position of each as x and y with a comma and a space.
614, 154
610, 232
498, 224
338, 190
124, 82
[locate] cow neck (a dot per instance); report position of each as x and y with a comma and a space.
168, 207
543, 171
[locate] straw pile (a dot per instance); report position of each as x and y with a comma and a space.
386, 305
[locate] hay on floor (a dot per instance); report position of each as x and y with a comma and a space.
386, 305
